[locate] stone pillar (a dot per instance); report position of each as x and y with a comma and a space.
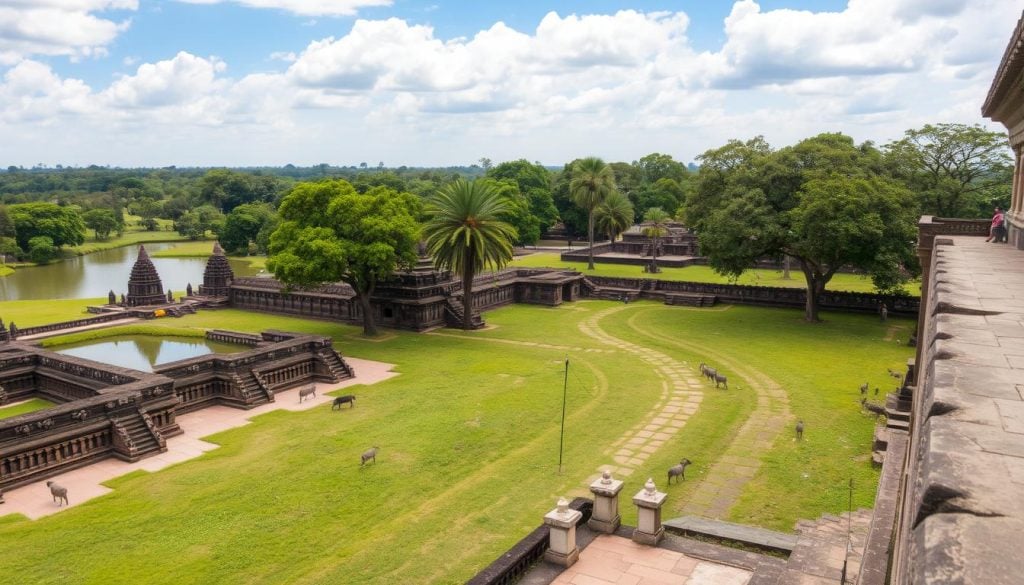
648, 507
606, 504
562, 549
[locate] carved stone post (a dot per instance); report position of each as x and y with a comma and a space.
606, 504
562, 549
648, 507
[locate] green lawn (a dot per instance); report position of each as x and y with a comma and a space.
24, 407
757, 277
203, 249
469, 447
32, 313
130, 238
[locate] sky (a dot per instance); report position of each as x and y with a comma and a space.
435, 83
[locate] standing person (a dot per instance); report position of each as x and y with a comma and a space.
998, 228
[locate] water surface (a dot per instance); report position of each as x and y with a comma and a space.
93, 275
142, 352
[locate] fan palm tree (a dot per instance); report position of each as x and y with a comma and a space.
465, 235
592, 182
656, 220
614, 215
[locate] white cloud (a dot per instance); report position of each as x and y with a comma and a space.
304, 7
869, 37
617, 85
58, 27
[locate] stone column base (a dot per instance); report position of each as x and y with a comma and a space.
605, 526
648, 538
560, 559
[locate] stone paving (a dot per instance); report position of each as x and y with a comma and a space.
614, 559
56, 332
722, 484
681, 395
85, 483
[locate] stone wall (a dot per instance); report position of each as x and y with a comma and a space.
654, 289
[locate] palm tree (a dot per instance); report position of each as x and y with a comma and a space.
614, 215
656, 220
465, 235
592, 181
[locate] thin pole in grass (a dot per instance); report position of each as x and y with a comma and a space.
849, 532
561, 434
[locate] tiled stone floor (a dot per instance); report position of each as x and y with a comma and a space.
614, 559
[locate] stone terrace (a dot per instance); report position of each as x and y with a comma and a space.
960, 504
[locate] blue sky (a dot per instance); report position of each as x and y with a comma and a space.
239, 82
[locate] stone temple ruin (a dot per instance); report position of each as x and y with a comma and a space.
106, 411
144, 286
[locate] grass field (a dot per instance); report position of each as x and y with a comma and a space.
202, 249
469, 447
24, 407
757, 277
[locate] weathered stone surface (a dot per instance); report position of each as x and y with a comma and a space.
961, 509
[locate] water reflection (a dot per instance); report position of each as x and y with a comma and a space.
92, 275
142, 352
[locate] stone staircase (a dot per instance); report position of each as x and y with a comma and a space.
250, 389
821, 547
137, 437
690, 299
455, 317
334, 363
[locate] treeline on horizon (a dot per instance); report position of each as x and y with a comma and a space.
953, 170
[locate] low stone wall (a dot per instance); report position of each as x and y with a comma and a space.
512, 565
763, 295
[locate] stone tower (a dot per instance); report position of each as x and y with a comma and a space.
218, 274
144, 286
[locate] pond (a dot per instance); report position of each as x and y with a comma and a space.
93, 275
142, 352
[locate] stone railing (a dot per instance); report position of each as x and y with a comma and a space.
512, 565
233, 337
104, 318
931, 226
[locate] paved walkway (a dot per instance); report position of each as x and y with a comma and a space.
34, 501
681, 395
722, 485
614, 559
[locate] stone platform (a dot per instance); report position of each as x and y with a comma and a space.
85, 483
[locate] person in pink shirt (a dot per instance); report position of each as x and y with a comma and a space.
998, 229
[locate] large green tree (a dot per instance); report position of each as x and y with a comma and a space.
100, 220
243, 225
614, 215
592, 182
63, 225
534, 183
956, 170
465, 234
329, 232
826, 202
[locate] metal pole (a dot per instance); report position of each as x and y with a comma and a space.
561, 436
849, 532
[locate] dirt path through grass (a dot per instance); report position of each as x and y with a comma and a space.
721, 486
681, 395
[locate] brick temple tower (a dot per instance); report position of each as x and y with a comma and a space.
144, 286
218, 274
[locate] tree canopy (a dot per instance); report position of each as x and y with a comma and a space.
825, 202
329, 232
956, 170
63, 225
465, 233
592, 182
